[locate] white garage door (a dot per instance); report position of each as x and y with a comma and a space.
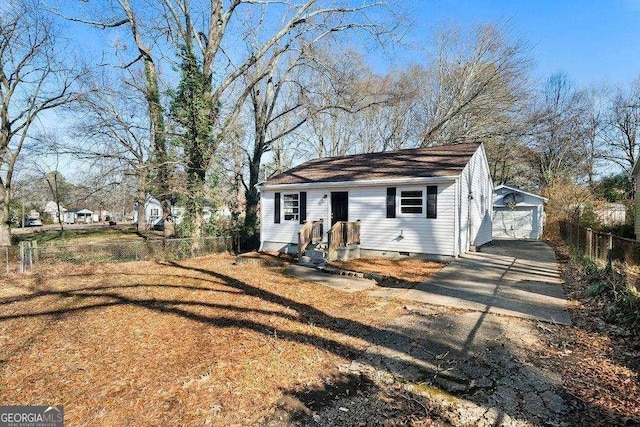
517, 223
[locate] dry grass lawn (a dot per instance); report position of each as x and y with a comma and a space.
407, 270
197, 342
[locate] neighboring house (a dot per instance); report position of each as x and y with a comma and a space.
517, 214
635, 177
78, 216
51, 209
153, 212
432, 202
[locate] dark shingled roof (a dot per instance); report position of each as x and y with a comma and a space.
440, 161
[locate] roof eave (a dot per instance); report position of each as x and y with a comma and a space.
546, 199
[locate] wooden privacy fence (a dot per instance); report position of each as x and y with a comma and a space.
601, 246
604, 247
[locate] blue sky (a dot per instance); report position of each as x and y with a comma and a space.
593, 41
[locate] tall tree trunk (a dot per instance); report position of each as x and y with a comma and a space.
140, 207
5, 221
251, 196
160, 148
195, 204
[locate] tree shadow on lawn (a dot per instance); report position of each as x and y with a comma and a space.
451, 358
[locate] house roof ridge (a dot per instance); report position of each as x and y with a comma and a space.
435, 161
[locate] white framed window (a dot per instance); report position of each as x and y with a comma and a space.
291, 206
412, 202
154, 213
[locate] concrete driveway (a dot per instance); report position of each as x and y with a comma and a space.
511, 277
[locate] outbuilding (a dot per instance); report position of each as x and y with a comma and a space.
517, 214
78, 216
433, 202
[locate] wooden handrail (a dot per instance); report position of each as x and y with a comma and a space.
310, 232
343, 233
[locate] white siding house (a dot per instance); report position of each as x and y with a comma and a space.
430, 201
635, 177
153, 212
51, 209
77, 216
517, 214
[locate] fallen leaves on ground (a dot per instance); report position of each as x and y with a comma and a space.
197, 342
600, 362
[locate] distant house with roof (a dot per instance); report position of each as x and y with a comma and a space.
77, 216
434, 202
51, 209
153, 212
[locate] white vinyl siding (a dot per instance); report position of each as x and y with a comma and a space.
476, 196
287, 231
405, 233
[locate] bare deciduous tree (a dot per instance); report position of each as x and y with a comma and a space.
35, 77
474, 84
113, 126
233, 72
559, 134
623, 123
123, 13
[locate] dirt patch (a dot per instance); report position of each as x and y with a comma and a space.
402, 270
266, 258
354, 399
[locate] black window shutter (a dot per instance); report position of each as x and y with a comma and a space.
391, 202
432, 201
276, 208
303, 207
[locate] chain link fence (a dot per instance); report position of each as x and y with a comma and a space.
29, 255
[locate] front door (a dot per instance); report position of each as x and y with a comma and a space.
339, 206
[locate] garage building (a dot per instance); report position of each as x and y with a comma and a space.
517, 214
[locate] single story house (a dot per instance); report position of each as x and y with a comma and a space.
434, 202
153, 212
77, 216
635, 178
517, 214
51, 209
